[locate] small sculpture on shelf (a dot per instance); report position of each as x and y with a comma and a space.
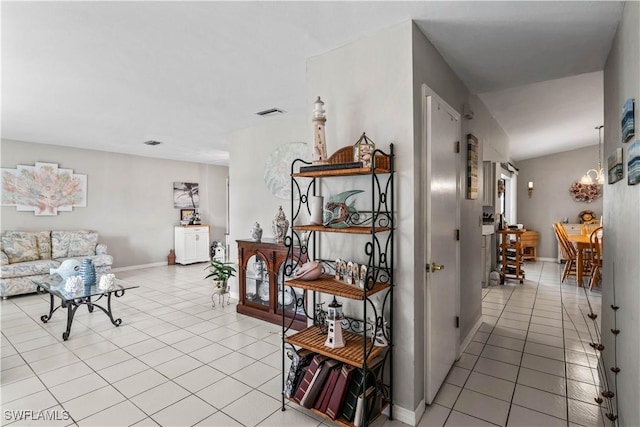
337, 214
319, 318
256, 232
319, 139
311, 270
280, 226
334, 325
363, 151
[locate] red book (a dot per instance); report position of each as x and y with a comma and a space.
308, 376
340, 390
323, 401
317, 383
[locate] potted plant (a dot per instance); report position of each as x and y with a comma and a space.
220, 272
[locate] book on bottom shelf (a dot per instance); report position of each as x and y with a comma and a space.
322, 402
317, 383
334, 408
308, 377
357, 386
299, 360
370, 397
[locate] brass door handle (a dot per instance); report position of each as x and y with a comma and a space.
436, 267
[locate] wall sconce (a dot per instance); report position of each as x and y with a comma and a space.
530, 188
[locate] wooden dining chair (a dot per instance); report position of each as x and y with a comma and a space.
569, 252
595, 243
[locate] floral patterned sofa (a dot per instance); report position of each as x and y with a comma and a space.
27, 255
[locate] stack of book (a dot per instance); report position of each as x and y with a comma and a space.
332, 388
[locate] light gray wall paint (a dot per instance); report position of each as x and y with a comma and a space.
129, 199
552, 176
250, 200
622, 223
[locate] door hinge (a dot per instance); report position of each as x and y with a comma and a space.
457, 234
456, 148
458, 322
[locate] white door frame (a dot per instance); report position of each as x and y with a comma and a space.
426, 214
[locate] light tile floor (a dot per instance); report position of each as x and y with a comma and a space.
530, 363
177, 361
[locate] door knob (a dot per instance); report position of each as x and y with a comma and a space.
436, 267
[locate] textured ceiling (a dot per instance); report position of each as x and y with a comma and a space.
110, 75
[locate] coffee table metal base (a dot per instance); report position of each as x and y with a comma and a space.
74, 304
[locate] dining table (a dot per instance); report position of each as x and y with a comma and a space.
581, 242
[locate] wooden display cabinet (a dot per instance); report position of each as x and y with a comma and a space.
260, 274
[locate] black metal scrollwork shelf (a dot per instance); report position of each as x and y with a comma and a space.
377, 225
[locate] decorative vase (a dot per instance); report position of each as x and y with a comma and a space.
316, 206
256, 232
280, 226
88, 272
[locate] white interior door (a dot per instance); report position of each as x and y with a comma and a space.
441, 183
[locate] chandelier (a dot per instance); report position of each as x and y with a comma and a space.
595, 176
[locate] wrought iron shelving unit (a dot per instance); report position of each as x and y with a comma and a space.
378, 225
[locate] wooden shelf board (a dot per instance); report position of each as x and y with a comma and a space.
340, 172
351, 354
329, 285
354, 229
341, 421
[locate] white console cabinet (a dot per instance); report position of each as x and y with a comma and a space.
191, 244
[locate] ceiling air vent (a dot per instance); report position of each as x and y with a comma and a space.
270, 111
152, 142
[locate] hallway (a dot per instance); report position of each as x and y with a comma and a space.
530, 363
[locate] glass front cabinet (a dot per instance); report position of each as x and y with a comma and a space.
262, 295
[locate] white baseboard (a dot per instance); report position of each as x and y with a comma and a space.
470, 335
547, 259
407, 416
138, 267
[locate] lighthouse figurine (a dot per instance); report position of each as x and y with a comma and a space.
334, 323
319, 140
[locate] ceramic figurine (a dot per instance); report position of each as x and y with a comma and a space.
338, 275
348, 277
280, 226
256, 232
354, 274
362, 282
337, 213
68, 268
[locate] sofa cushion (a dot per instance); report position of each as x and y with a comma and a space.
44, 244
73, 243
20, 246
28, 268
97, 260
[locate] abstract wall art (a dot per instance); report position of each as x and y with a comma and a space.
628, 122
614, 166
43, 189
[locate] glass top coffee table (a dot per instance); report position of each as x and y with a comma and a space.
86, 295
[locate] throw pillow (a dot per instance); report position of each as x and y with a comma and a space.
60, 244
20, 246
83, 243
44, 244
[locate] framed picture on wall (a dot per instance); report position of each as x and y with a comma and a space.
628, 124
186, 195
633, 164
472, 167
614, 166
187, 214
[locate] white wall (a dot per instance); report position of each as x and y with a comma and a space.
129, 199
622, 222
550, 202
367, 86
